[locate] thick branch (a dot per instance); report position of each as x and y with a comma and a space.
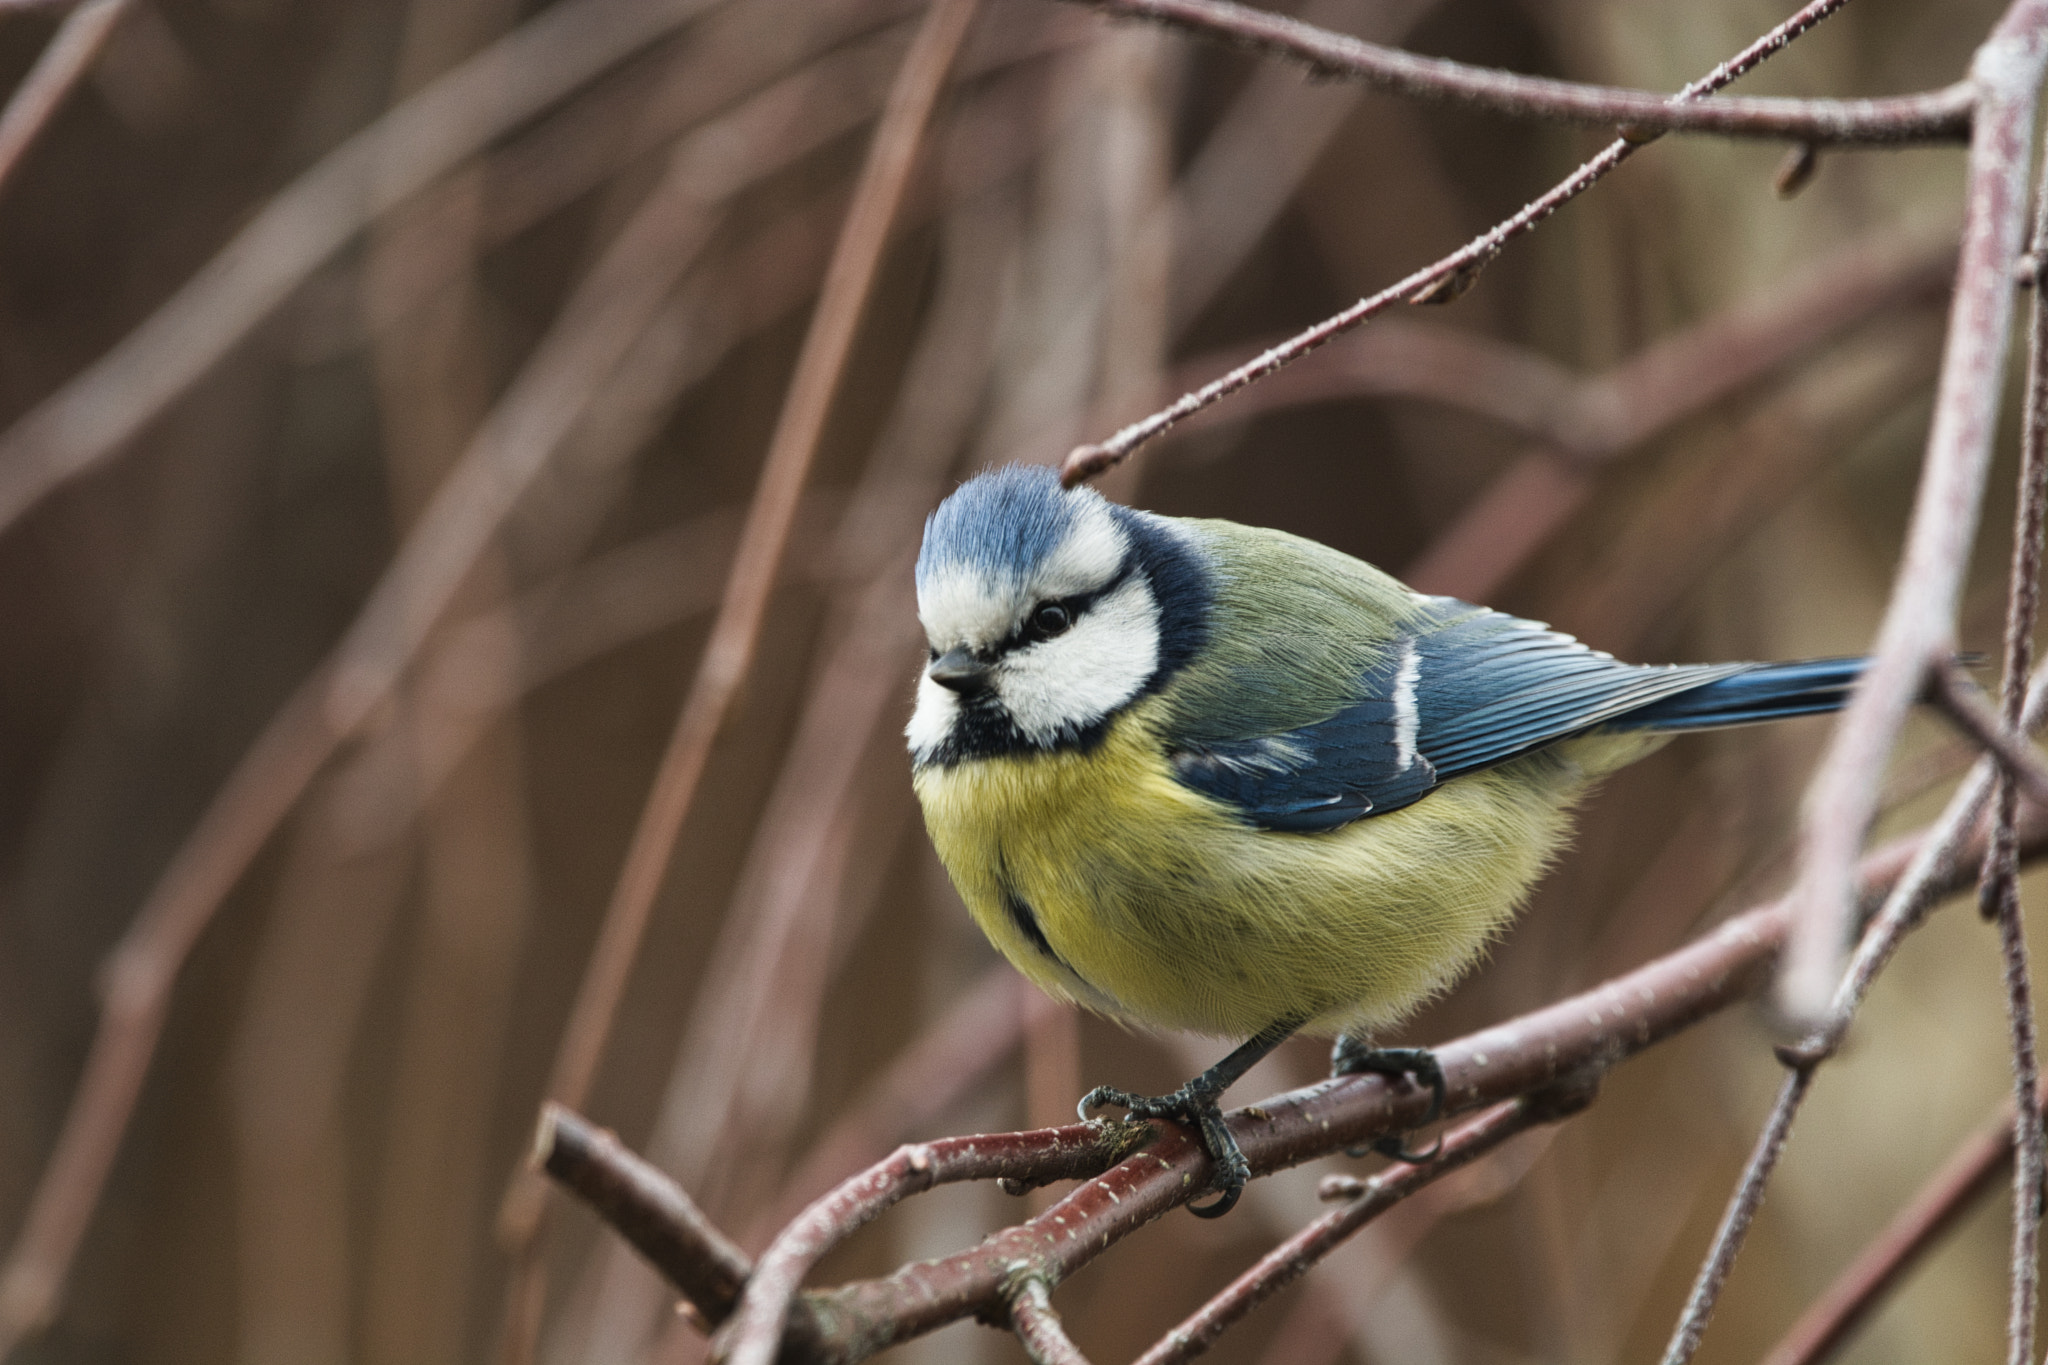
1933, 116
1919, 625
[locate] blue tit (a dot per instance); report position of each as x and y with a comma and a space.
1197, 775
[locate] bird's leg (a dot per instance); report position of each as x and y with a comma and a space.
1356, 1057
1194, 1104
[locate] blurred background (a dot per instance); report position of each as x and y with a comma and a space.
1683, 420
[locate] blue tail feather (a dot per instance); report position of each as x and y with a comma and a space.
1766, 692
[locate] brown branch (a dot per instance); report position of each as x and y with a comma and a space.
63, 63
1296, 1256
1967, 1176
1919, 625
729, 651
1038, 1326
646, 1208
1438, 282
1935, 116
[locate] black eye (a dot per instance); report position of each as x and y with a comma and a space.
1050, 620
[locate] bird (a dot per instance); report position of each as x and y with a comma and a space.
1196, 775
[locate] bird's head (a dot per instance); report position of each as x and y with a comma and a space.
1047, 611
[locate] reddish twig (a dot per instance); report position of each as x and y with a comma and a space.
1959, 698
1935, 116
1940, 1204
1294, 1258
63, 63
647, 1208
1734, 1228
1919, 625
1999, 887
962, 1045
752, 1334
1038, 1326
728, 653
1438, 282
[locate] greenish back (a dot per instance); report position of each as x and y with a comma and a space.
1295, 626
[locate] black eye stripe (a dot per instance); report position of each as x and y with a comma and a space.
1074, 607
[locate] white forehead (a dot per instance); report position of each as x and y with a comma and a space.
964, 603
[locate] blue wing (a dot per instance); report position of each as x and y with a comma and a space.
1468, 688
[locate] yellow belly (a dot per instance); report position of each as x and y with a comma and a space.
1161, 907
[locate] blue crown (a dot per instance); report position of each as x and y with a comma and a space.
1001, 524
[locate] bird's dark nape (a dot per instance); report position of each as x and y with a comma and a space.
1766, 692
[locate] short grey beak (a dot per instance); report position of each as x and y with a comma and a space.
959, 670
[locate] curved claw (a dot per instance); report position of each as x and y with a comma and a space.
1353, 1058
1196, 1107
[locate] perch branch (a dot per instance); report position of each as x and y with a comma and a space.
1932, 116
1565, 1041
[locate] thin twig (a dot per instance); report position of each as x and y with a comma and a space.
647, 1208
1038, 1326
1934, 116
63, 63
136, 997
1749, 1196
1440, 281
1296, 1256
1999, 887
1959, 698
1940, 1204
1938, 861
1919, 625
729, 651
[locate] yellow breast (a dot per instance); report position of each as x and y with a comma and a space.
1112, 885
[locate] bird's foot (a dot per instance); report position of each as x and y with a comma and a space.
1354, 1057
1193, 1105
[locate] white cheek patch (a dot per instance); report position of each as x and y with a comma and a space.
1075, 679
937, 708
